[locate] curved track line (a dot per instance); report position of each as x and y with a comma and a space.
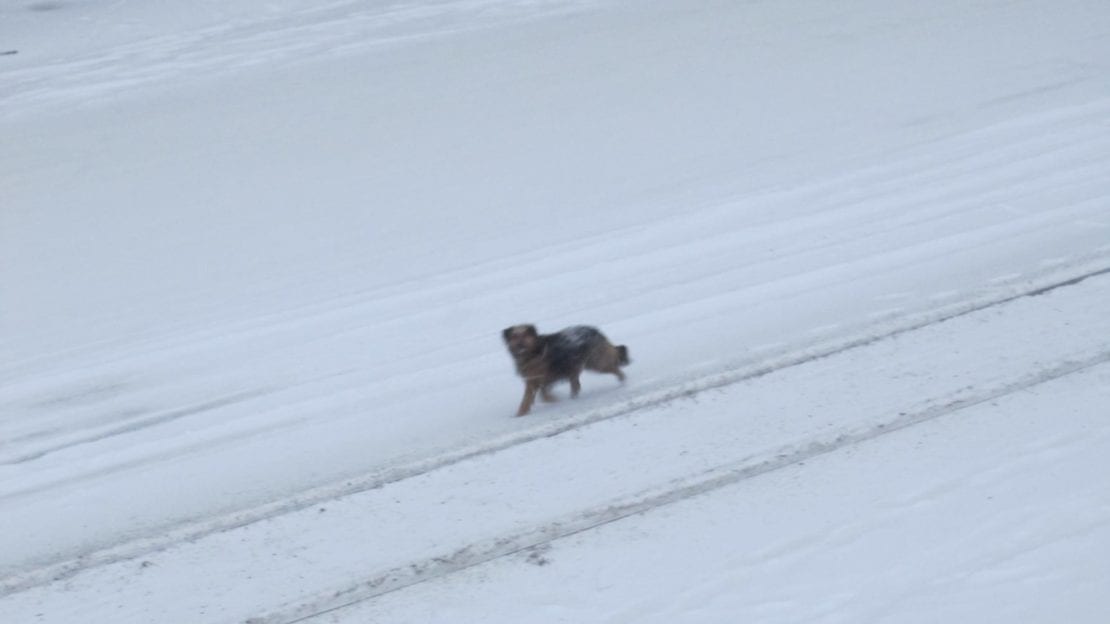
714, 478
1027, 286
135, 424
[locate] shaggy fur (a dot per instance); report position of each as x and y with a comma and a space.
544, 359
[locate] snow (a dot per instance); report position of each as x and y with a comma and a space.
256, 258
467, 515
978, 518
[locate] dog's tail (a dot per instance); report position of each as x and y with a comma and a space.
622, 355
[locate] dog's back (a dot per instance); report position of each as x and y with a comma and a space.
582, 346
569, 349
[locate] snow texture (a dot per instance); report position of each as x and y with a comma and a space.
255, 258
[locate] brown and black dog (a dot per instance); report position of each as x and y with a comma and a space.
543, 359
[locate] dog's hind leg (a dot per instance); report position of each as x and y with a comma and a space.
530, 389
575, 384
609, 360
613, 366
622, 360
545, 394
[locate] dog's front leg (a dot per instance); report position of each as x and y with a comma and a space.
545, 394
530, 389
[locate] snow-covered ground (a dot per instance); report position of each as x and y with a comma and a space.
256, 257
947, 465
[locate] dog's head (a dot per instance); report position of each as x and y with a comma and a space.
521, 339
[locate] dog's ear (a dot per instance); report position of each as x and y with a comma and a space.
528, 329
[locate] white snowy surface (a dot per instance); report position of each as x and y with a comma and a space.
949, 388
992, 515
256, 256
967, 420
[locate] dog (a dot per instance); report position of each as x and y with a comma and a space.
543, 359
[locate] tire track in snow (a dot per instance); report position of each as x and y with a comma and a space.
132, 425
334, 29
712, 479
1028, 286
